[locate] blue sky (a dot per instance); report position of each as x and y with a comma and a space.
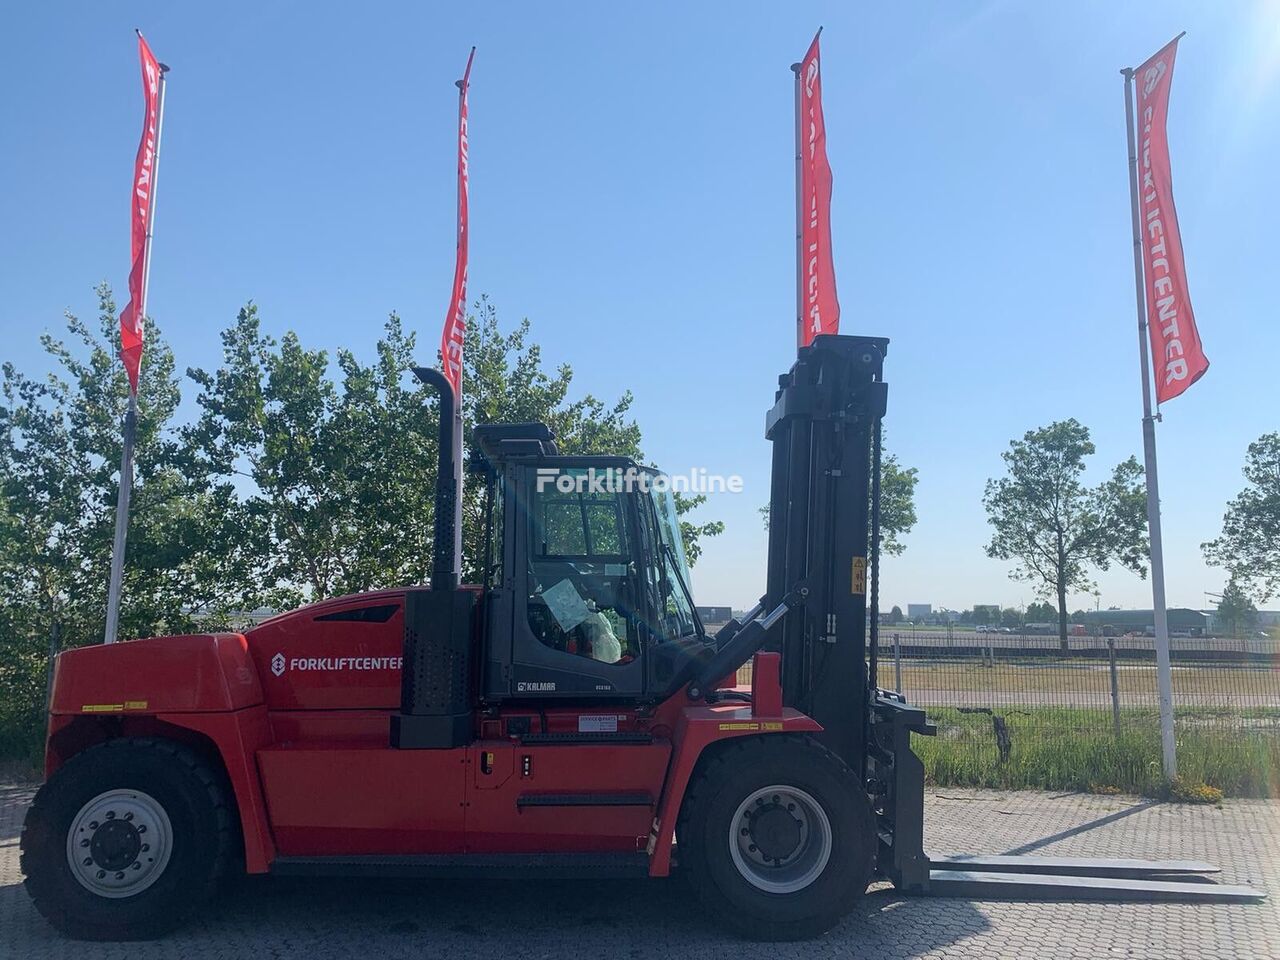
632, 195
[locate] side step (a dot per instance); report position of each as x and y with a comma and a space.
497, 866
983, 877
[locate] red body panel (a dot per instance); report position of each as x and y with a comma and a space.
496, 824
201, 672
307, 663
238, 736
299, 711
698, 727
331, 798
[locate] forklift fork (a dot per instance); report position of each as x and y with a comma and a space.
897, 787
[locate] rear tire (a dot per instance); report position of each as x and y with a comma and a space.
777, 837
128, 839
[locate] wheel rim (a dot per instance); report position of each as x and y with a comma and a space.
780, 839
119, 843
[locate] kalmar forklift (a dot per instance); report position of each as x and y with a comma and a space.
566, 717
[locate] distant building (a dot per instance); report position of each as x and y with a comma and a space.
919, 611
1181, 620
715, 614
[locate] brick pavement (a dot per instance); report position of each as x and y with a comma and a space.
275, 919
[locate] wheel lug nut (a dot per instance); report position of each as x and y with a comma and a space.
145, 847
101, 874
88, 861
84, 843
128, 816
142, 828
93, 824
746, 832
791, 806
759, 801
752, 848
776, 798
137, 865
120, 875
111, 814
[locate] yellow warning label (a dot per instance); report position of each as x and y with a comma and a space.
859, 578
752, 725
114, 707
771, 725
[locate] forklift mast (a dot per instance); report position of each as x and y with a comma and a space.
825, 428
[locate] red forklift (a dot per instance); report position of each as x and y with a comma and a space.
567, 717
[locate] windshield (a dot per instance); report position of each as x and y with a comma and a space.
678, 616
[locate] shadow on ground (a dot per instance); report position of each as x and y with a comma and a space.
291, 917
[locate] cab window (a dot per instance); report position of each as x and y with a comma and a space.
582, 587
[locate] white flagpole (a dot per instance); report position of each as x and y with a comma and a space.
795, 68
457, 405
131, 415
1164, 678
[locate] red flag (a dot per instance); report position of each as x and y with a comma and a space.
140, 215
1176, 353
820, 311
455, 324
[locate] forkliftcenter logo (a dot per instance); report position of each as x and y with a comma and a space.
279, 664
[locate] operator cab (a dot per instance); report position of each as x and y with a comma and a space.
586, 584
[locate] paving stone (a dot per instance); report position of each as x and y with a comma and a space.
316, 919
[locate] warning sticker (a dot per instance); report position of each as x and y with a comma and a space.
752, 725
597, 723
859, 578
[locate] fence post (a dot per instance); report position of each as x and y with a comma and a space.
55, 641
897, 663
1115, 684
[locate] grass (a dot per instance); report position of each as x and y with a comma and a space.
1078, 749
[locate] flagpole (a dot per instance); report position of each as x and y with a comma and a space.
457, 406
1164, 679
131, 414
795, 69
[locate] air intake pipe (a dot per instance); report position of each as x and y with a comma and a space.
445, 561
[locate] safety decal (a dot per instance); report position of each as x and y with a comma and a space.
752, 725
114, 707
859, 576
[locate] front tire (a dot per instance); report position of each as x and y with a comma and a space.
127, 840
777, 837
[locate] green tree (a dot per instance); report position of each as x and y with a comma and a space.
335, 476
1040, 612
1052, 525
60, 442
895, 615
1249, 546
1235, 610
897, 504
341, 464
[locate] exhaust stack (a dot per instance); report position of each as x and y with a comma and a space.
446, 564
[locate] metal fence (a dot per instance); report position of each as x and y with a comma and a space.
1004, 701
1217, 676
998, 698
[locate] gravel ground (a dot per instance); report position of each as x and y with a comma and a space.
314, 919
